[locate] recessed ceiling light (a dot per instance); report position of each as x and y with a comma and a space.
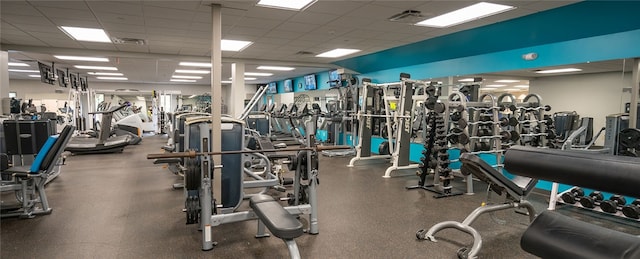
276, 68
296, 5
86, 34
18, 64
111, 78
195, 64
24, 71
77, 58
521, 86
97, 68
104, 74
183, 80
225, 82
234, 45
507, 81
495, 85
560, 70
469, 13
192, 71
186, 77
257, 74
34, 75
337, 53
465, 80
246, 78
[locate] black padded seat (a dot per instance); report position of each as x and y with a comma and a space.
552, 235
480, 169
280, 222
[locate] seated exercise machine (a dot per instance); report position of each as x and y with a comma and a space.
552, 235
104, 143
514, 189
212, 212
28, 182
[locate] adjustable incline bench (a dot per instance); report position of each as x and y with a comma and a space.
552, 235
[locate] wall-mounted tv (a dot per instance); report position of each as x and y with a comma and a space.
73, 81
47, 74
272, 88
334, 79
310, 82
84, 84
63, 79
288, 85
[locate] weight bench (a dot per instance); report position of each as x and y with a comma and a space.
515, 189
30, 180
279, 222
552, 235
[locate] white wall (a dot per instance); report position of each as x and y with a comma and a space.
590, 95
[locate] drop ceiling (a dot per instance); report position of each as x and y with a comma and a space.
181, 31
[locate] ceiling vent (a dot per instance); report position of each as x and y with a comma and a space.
304, 53
406, 16
129, 41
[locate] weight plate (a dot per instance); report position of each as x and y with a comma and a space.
462, 123
514, 136
513, 121
463, 138
439, 107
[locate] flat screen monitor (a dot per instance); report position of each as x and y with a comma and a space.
310, 82
47, 75
334, 79
84, 84
288, 85
272, 88
63, 79
73, 80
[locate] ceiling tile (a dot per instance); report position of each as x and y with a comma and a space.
132, 48
63, 43
313, 18
175, 14
282, 34
98, 46
335, 8
269, 40
297, 27
246, 31
404, 5
132, 8
49, 27
24, 19
159, 31
18, 8
270, 13
63, 21
67, 13
257, 23
106, 17
75, 5
181, 5
115, 28
168, 23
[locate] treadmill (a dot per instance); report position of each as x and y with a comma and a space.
103, 144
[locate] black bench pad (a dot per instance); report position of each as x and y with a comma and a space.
552, 235
280, 222
478, 167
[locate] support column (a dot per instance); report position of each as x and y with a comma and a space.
4, 79
635, 91
216, 74
238, 91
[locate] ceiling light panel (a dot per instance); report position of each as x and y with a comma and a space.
192, 71
96, 68
183, 80
234, 45
521, 86
195, 64
560, 70
104, 74
77, 58
18, 64
296, 5
34, 75
466, 80
246, 78
186, 77
466, 14
112, 78
494, 86
507, 81
336, 53
276, 68
86, 34
257, 74
24, 71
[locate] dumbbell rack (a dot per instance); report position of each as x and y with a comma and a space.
597, 200
532, 123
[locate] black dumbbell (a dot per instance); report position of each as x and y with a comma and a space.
611, 205
632, 210
505, 136
591, 200
572, 196
462, 123
456, 116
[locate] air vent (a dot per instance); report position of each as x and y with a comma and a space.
406, 16
302, 52
130, 41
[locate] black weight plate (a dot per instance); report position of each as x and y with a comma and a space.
513, 121
463, 138
506, 136
568, 197
383, 149
631, 211
192, 175
439, 107
462, 123
514, 136
608, 206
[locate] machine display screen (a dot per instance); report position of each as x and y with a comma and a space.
288, 86
310, 82
272, 88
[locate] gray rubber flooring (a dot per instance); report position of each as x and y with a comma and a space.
123, 206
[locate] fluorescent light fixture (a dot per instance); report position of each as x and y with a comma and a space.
295, 5
192, 71
466, 14
34, 75
104, 74
86, 34
521, 86
77, 58
257, 74
507, 81
183, 80
24, 71
494, 86
97, 68
186, 77
466, 80
337, 53
560, 70
234, 45
140, 98
245, 79
17, 64
276, 68
111, 78
225, 82
195, 64
512, 89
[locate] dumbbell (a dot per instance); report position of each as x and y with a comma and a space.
611, 205
505, 136
482, 146
632, 210
456, 116
462, 123
504, 121
572, 196
511, 107
591, 200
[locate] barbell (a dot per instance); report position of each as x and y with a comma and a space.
193, 153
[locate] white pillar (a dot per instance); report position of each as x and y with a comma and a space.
216, 86
635, 91
4, 78
238, 92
